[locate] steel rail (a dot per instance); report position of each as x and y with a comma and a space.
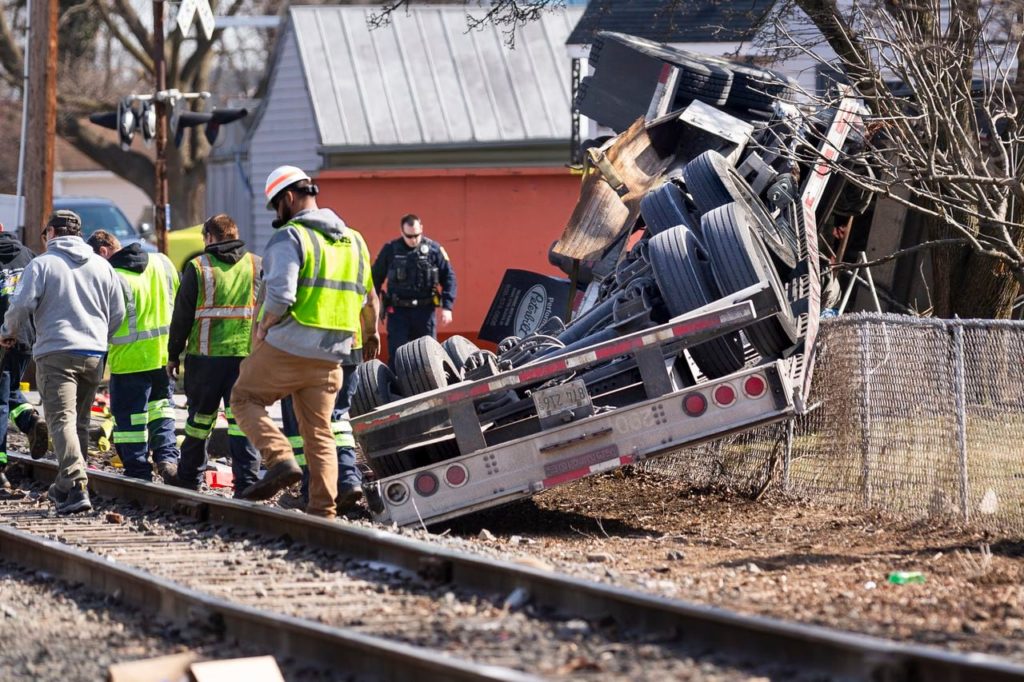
748, 638
338, 648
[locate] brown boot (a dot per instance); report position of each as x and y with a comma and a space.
38, 438
348, 497
277, 478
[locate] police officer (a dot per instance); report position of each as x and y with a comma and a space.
140, 390
419, 278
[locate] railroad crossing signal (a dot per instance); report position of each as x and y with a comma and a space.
187, 12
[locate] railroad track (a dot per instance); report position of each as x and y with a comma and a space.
378, 605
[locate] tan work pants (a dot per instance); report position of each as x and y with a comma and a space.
268, 375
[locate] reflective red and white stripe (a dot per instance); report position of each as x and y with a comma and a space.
598, 468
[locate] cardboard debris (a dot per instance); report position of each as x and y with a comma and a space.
172, 668
256, 669
186, 668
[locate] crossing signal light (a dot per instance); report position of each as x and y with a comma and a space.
127, 120
147, 122
189, 119
222, 117
124, 121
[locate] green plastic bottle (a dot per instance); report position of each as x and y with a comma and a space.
906, 578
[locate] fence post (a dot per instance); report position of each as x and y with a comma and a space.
865, 413
788, 455
960, 396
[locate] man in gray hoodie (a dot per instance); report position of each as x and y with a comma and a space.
318, 301
72, 301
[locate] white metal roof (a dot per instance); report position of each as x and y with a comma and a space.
426, 80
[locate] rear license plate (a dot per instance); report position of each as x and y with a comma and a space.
563, 403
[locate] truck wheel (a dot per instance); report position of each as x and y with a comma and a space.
679, 263
459, 348
665, 207
375, 384
739, 259
713, 182
754, 88
422, 365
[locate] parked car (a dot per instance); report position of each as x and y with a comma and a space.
98, 213
102, 214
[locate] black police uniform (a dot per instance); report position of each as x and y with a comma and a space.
418, 280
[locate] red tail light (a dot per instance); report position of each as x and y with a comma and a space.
695, 404
755, 386
724, 395
426, 484
456, 475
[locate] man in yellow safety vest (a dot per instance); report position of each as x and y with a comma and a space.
212, 325
140, 390
319, 299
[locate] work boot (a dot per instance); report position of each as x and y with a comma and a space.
168, 471
277, 478
38, 438
4, 483
348, 497
187, 485
73, 501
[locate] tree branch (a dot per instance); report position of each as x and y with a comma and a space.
140, 54
135, 25
10, 53
132, 166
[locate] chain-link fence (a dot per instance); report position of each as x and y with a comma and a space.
920, 417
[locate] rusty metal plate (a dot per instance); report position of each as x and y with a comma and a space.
616, 179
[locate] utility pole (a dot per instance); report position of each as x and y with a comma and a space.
42, 119
162, 212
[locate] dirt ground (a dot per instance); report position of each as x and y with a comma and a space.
776, 557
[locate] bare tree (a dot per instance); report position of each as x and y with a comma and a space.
509, 15
105, 51
943, 131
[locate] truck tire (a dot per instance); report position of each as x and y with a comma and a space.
739, 259
459, 348
679, 264
665, 207
422, 365
713, 182
754, 88
375, 386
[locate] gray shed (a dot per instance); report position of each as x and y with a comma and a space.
422, 92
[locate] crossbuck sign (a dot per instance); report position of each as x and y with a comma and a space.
187, 12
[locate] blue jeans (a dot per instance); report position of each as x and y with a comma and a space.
348, 473
143, 420
409, 324
208, 382
15, 405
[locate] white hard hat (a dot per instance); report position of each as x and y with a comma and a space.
280, 179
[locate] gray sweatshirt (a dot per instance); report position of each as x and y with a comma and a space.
71, 296
282, 260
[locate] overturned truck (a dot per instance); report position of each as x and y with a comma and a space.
695, 238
